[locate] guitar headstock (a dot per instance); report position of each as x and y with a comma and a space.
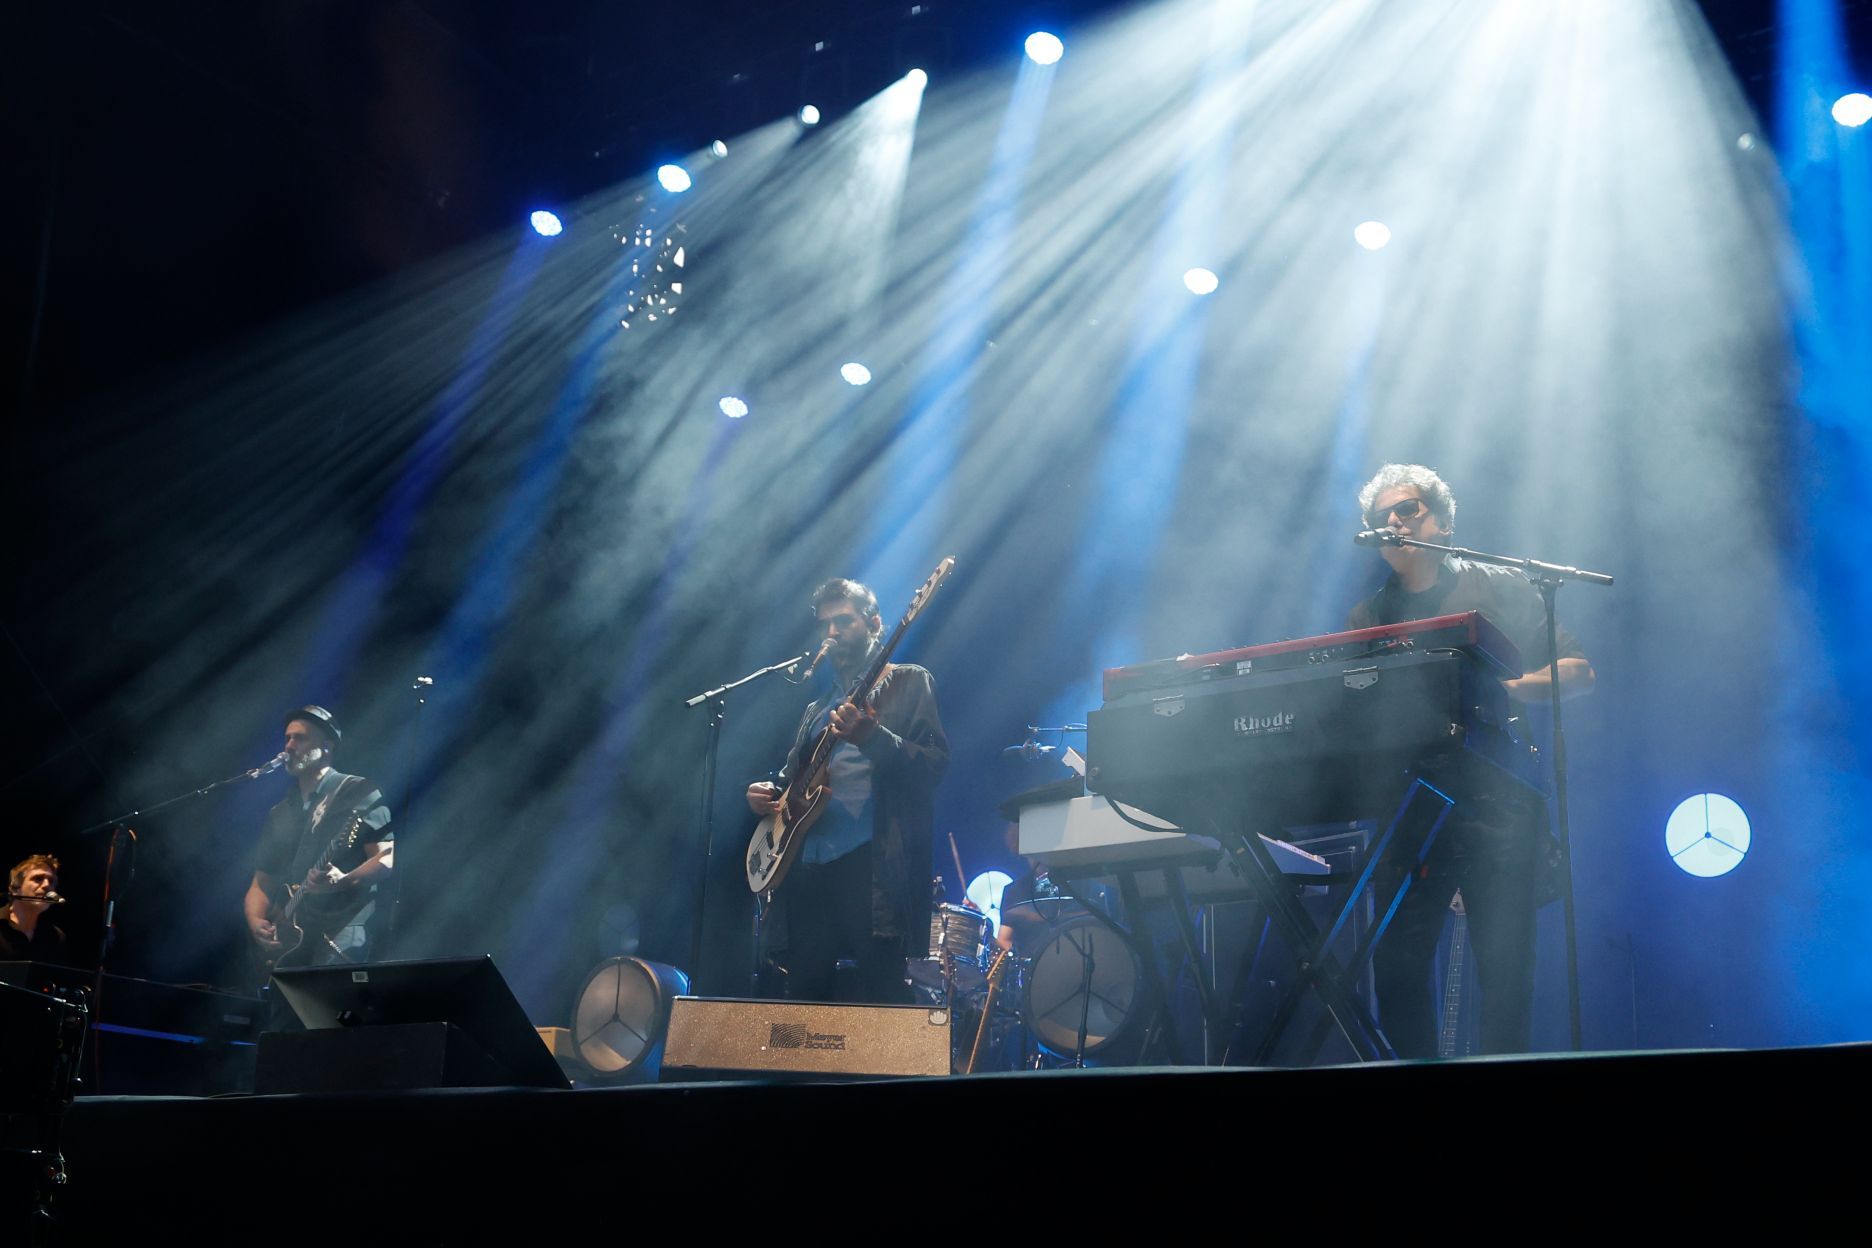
929, 587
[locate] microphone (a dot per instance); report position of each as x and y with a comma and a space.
50, 899
1029, 749
1377, 537
825, 648
268, 768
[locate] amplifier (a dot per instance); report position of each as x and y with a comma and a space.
728, 1036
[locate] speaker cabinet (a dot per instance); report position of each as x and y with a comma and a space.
726, 1037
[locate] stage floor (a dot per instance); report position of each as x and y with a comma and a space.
941, 1155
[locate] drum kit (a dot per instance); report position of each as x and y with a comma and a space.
1072, 992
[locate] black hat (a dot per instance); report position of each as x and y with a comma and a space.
316, 715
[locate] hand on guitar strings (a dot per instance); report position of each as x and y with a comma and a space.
318, 881
264, 933
763, 797
850, 723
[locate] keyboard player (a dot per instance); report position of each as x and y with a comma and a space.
1495, 847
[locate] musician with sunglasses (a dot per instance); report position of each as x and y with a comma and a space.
859, 891
1494, 847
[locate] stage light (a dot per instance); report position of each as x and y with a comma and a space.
718, 149
546, 224
1372, 235
673, 178
1853, 110
1707, 835
855, 373
1201, 281
1043, 48
733, 408
620, 1017
917, 78
809, 115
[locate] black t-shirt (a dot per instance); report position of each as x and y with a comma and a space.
47, 943
1504, 595
298, 829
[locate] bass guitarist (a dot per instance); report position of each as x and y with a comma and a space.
312, 846
859, 890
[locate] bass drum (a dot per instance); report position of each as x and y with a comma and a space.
1057, 996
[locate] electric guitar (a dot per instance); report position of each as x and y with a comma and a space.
781, 835
319, 913
997, 971
1448, 1036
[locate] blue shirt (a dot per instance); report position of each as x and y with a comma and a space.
846, 823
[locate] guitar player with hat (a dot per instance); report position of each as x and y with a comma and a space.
325, 855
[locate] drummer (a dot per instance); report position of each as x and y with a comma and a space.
1027, 887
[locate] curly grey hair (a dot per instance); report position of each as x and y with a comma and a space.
1429, 486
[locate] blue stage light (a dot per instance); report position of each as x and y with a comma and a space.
546, 223
673, 178
1201, 281
1707, 835
855, 373
733, 408
809, 115
917, 78
1043, 48
1853, 110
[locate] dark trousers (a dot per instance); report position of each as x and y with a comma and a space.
828, 920
1495, 866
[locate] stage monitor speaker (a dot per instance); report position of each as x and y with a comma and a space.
460, 1004
729, 1037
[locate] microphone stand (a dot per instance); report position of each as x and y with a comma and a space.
120, 828
718, 713
1547, 577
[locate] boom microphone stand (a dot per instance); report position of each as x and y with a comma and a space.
120, 829
1547, 577
718, 713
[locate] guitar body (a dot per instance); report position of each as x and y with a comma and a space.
781, 835
312, 918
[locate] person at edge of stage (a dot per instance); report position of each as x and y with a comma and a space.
28, 935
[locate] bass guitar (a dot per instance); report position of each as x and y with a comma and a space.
782, 834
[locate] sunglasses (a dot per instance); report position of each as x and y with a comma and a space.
1405, 509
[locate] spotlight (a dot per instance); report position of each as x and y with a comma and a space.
1201, 281
1043, 48
620, 1017
673, 178
1853, 110
718, 149
546, 224
855, 373
917, 78
733, 408
809, 115
1372, 235
1707, 835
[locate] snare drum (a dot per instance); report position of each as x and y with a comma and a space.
958, 936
